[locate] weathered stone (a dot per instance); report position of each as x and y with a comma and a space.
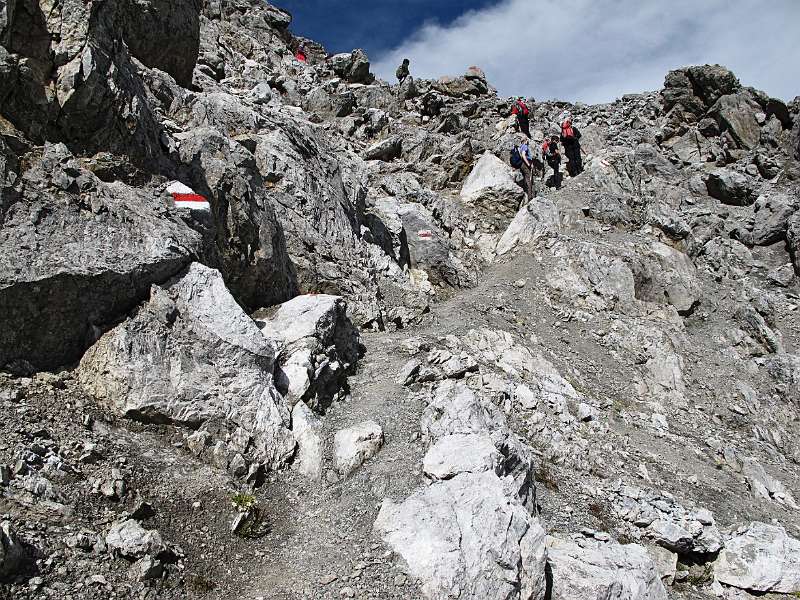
467, 538
491, 187
307, 430
191, 356
132, 541
736, 113
771, 218
534, 220
452, 455
317, 348
385, 150
730, 187
602, 570
354, 445
762, 558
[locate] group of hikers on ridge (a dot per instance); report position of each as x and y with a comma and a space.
531, 160
525, 157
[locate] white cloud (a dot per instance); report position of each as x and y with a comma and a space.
597, 50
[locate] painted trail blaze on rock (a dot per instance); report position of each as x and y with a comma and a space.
185, 197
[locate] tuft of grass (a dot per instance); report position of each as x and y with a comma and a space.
244, 502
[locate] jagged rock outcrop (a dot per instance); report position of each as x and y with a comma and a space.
191, 356
57, 292
316, 348
13, 556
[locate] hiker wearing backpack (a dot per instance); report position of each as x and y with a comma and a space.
300, 54
552, 156
522, 158
402, 71
570, 139
521, 111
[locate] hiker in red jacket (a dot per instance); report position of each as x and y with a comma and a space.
520, 109
300, 54
570, 139
552, 156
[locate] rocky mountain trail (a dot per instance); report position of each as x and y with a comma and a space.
280, 329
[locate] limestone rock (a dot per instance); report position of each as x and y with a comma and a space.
356, 444
771, 218
307, 430
452, 455
602, 570
736, 113
385, 150
317, 348
762, 558
534, 220
191, 356
491, 187
132, 541
465, 538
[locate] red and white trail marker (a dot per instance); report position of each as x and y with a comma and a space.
425, 234
185, 197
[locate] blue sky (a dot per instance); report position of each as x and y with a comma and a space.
375, 26
587, 50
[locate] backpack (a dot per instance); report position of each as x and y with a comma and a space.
522, 107
516, 159
567, 131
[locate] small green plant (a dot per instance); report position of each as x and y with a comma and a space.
244, 502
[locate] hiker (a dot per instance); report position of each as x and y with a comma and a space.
300, 54
402, 71
552, 156
522, 158
570, 139
520, 109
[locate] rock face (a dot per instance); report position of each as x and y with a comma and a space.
762, 558
597, 569
131, 241
317, 347
354, 445
463, 538
191, 356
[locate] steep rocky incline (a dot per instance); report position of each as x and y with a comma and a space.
273, 329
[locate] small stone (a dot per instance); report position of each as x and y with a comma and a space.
400, 580
347, 592
328, 579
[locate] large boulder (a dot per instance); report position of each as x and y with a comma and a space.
353, 67
250, 243
595, 569
317, 348
736, 113
385, 150
191, 356
730, 187
467, 537
534, 220
711, 82
76, 254
760, 558
771, 218
491, 187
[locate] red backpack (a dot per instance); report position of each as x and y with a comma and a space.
566, 130
521, 107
